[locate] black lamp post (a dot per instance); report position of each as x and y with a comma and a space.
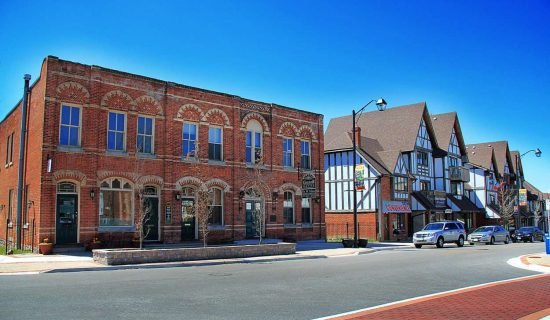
381, 105
519, 183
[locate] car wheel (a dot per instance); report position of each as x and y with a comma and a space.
440, 242
542, 239
532, 239
418, 246
460, 242
472, 243
507, 240
492, 241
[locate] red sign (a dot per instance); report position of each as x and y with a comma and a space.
395, 207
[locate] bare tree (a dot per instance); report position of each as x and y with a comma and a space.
143, 216
203, 211
259, 214
506, 201
537, 210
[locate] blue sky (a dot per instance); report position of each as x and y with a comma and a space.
487, 60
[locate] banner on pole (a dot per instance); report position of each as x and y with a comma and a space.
523, 197
360, 177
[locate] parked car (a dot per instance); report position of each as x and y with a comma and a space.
529, 234
439, 233
489, 235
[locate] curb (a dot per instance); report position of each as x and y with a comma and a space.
522, 263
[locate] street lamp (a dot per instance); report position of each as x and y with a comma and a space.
381, 105
519, 183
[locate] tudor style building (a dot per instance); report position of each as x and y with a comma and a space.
97, 137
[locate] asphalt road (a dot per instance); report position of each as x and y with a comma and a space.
303, 289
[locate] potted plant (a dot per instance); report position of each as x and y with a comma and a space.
347, 243
94, 244
45, 247
363, 243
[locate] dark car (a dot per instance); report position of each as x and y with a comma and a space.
529, 234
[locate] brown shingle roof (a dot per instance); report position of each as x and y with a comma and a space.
481, 155
513, 155
502, 153
384, 135
443, 125
532, 189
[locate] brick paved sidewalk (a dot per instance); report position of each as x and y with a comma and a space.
527, 298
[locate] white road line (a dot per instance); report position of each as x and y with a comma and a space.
421, 297
516, 262
19, 273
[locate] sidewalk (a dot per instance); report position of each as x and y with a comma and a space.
525, 299
82, 261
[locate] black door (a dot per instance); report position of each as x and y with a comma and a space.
66, 218
151, 225
187, 219
252, 208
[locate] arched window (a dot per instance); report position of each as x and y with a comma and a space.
288, 207
215, 205
115, 203
253, 141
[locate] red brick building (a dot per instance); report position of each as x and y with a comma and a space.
95, 137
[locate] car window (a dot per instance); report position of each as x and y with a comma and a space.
434, 226
451, 226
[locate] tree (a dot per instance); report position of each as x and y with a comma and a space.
257, 182
506, 201
143, 216
203, 211
537, 211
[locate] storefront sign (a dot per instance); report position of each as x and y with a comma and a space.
308, 186
523, 197
360, 177
395, 207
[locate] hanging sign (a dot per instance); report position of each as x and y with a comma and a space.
360, 177
523, 197
308, 186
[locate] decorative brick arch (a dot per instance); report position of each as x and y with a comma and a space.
290, 187
218, 183
189, 181
190, 112
255, 116
117, 99
71, 91
105, 174
73, 175
288, 129
149, 105
306, 132
258, 186
216, 116
150, 180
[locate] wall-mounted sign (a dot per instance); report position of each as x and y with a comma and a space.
360, 177
395, 207
168, 214
523, 197
308, 186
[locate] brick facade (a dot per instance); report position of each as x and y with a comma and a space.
97, 91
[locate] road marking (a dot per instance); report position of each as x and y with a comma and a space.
516, 262
425, 297
18, 273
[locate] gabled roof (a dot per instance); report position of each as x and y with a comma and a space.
533, 190
502, 153
384, 135
515, 155
443, 125
482, 155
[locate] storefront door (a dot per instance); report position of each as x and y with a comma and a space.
66, 219
252, 207
151, 226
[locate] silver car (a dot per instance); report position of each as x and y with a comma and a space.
489, 235
439, 233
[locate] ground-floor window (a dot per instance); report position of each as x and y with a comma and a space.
115, 203
216, 207
306, 210
288, 208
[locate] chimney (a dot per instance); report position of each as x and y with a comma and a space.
358, 136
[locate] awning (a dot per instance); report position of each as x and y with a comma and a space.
463, 203
426, 203
492, 212
395, 207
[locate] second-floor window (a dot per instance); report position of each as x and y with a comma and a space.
400, 184
215, 145
306, 155
424, 185
145, 138
116, 135
456, 189
287, 152
69, 129
9, 149
422, 163
253, 142
189, 141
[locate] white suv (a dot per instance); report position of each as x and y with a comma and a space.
439, 233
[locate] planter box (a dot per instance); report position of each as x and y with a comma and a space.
363, 243
137, 256
347, 243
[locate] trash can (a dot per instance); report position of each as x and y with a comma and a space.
547, 242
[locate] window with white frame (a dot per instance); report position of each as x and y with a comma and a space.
189, 140
215, 205
145, 135
115, 203
288, 207
400, 187
215, 144
422, 163
287, 152
306, 155
306, 210
253, 142
116, 134
69, 128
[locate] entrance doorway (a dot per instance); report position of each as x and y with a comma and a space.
253, 213
151, 221
188, 220
66, 221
